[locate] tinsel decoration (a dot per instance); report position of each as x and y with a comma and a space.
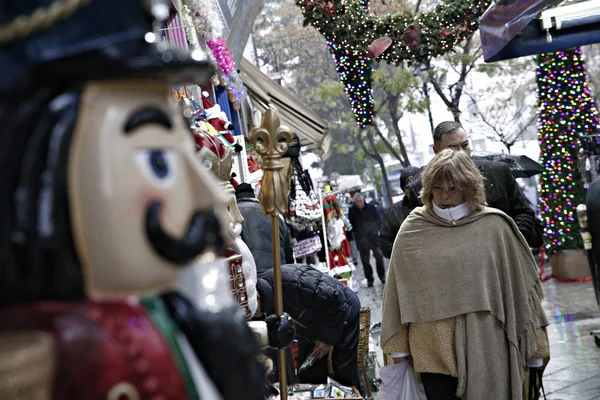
206, 13
222, 55
237, 90
350, 29
203, 22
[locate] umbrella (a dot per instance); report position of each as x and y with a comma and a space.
520, 166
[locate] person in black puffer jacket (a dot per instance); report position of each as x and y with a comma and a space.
395, 216
326, 313
256, 231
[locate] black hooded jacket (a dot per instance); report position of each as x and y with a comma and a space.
392, 220
320, 304
256, 233
365, 225
593, 210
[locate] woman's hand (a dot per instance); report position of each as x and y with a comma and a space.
400, 360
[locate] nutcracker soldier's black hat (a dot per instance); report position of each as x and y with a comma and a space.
89, 39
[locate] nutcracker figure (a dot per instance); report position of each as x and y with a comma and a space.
103, 203
215, 153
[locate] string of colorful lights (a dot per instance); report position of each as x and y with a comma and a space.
350, 30
567, 114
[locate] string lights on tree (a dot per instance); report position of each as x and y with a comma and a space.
567, 115
356, 37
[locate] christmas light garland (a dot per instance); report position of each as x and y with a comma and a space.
566, 115
350, 29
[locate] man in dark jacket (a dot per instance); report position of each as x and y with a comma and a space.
395, 216
256, 231
501, 189
326, 313
365, 222
593, 211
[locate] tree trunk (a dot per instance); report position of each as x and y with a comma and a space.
456, 115
395, 118
377, 157
384, 173
429, 113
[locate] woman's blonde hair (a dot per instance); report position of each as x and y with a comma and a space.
454, 167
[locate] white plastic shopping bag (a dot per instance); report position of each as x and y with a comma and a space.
399, 382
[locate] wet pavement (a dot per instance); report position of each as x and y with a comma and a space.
574, 369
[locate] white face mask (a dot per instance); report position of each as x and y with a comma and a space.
453, 213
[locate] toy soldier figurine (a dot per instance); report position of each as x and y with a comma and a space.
102, 203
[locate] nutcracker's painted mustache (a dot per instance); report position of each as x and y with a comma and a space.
203, 231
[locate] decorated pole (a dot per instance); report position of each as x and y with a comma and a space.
271, 142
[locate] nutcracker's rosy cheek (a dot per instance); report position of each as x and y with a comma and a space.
146, 196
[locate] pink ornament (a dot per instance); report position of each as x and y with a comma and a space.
223, 56
379, 46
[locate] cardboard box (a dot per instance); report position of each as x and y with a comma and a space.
570, 264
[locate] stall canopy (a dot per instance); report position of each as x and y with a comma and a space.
511, 28
312, 131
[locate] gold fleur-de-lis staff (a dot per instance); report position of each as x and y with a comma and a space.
271, 142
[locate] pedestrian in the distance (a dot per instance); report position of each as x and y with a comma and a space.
365, 222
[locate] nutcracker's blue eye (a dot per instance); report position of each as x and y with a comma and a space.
158, 165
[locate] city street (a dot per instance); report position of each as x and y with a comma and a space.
574, 369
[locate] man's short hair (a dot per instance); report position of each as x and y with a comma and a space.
455, 168
358, 195
443, 128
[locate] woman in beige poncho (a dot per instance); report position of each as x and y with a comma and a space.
463, 296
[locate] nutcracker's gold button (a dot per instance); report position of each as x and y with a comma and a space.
123, 391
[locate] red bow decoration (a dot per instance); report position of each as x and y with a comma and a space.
412, 36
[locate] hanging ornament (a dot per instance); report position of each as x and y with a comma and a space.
379, 46
327, 9
412, 36
309, 5
222, 54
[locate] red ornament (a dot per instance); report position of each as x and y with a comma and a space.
412, 36
327, 9
379, 46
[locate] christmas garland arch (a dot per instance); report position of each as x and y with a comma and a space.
356, 37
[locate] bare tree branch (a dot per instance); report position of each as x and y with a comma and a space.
386, 142
417, 6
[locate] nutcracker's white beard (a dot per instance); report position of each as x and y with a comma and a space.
206, 283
